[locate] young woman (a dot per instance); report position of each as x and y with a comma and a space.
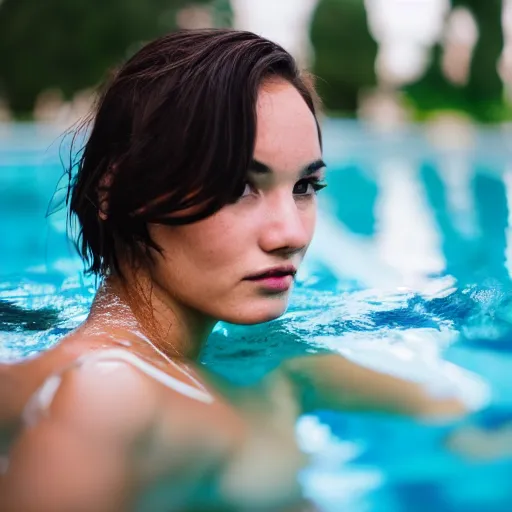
196, 200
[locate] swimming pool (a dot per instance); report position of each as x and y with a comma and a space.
410, 272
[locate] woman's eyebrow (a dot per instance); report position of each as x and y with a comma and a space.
261, 168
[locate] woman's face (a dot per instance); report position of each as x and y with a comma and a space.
208, 265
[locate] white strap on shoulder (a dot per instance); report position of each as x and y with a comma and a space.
116, 354
41, 400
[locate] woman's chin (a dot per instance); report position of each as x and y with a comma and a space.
258, 314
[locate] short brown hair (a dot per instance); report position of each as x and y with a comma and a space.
174, 129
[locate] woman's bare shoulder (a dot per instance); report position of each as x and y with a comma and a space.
98, 384
112, 405
92, 413
21, 381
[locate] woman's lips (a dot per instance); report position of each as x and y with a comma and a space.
274, 283
275, 279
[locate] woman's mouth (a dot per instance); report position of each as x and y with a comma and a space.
277, 279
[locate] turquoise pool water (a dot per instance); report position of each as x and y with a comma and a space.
410, 273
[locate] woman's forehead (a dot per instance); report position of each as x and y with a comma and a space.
287, 133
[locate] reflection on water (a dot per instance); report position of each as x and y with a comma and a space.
407, 237
409, 272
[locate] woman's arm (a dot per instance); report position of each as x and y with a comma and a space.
333, 382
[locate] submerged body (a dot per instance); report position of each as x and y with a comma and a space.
137, 426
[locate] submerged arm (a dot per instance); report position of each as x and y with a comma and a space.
333, 382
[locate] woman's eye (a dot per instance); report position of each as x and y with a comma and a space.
308, 187
305, 187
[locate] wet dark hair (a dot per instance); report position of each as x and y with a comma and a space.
172, 137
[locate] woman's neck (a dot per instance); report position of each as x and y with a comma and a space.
143, 309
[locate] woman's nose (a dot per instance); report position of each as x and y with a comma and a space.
287, 227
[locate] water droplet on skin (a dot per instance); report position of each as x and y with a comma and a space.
124, 343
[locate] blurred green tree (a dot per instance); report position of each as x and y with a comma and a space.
223, 13
482, 96
71, 44
345, 54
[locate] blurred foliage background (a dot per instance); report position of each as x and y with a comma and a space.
54, 53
